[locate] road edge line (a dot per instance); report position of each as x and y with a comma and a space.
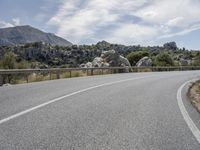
193, 128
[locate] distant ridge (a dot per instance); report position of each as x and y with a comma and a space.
27, 34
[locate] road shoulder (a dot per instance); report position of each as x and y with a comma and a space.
193, 118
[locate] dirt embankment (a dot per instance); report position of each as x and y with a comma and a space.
194, 95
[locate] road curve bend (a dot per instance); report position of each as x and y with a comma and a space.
110, 112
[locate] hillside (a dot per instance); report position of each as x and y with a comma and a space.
26, 34
43, 55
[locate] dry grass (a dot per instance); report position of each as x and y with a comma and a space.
142, 70
37, 77
194, 95
146, 70
43, 77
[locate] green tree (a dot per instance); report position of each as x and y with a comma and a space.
9, 60
134, 57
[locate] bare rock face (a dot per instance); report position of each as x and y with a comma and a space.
144, 62
97, 62
106, 65
87, 65
114, 59
109, 59
184, 62
124, 61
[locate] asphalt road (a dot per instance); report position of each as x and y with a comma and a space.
136, 111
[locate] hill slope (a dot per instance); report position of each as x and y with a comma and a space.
27, 34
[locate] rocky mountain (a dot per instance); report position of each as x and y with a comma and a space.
26, 34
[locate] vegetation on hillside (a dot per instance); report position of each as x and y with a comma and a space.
42, 55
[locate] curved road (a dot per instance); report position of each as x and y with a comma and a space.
136, 111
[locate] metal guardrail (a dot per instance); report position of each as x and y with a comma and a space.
90, 71
25, 71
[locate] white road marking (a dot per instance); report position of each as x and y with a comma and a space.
62, 97
185, 114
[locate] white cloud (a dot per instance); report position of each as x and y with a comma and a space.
133, 33
175, 21
4, 24
16, 21
183, 32
178, 13
79, 20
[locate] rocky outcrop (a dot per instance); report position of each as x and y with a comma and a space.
87, 65
103, 45
124, 61
114, 59
170, 46
144, 62
97, 62
108, 59
184, 62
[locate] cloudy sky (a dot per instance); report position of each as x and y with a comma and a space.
130, 22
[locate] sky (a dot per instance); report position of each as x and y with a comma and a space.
129, 22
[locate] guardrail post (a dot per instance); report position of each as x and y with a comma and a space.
27, 78
9, 78
130, 69
152, 69
1, 80
70, 73
92, 72
138, 69
50, 75
114, 71
102, 71
58, 75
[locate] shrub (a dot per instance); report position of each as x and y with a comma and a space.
9, 61
134, 57
197, 61
23, 65
163, 59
